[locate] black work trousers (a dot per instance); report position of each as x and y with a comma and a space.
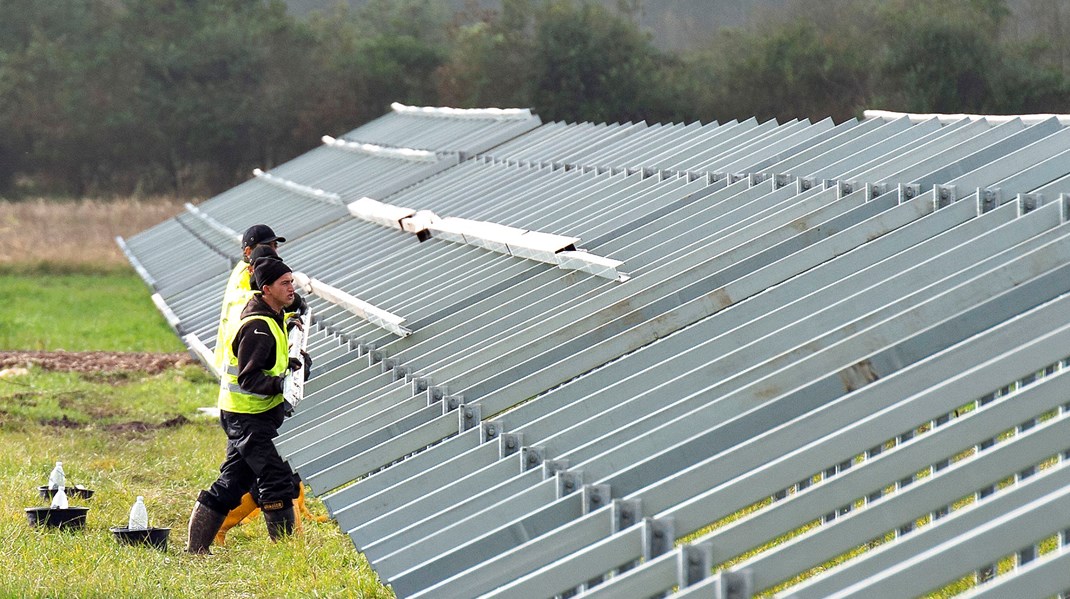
251, 462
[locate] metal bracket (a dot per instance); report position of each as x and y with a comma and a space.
1028, 202
695, 564
595, 497
388, 364
420, 385
435, 395
735, 585
568, 482
509, 443
908, 192
468, 416
490, 430
989, 199
945, 195
658, 537
625, 513
375, 356
530, 457
844, 189
451, 403
550, 468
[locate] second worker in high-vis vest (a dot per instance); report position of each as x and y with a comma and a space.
251, 402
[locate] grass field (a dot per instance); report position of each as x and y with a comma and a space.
129, 434
109, 311
123, 433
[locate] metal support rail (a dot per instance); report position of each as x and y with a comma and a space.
463, 113
380, 151
305, 190
213, 223
138, 267
559, 250
377, 316
201, 352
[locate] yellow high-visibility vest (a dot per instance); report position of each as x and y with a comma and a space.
235, 297
232, 397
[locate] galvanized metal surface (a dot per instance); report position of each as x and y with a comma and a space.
800, 296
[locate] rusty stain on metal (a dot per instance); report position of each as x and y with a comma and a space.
764, 393
800, 225
721, 299
858, 375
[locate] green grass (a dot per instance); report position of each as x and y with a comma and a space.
127, 434
81, 311
130, 435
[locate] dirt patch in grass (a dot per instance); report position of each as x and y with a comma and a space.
133, 426
94, 362
63, 422
138, 426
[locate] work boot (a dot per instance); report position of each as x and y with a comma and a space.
204, 522
280, 523
247, 509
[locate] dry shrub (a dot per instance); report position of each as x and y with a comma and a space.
77, 234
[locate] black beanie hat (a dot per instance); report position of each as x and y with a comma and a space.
263, 251
267, 270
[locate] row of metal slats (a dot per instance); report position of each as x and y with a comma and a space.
799, 294
298, 198
434, 517
812, 150
422, 190
734, 453
445, 131
568, 212
429, 194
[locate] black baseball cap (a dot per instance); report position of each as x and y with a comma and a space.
257, 234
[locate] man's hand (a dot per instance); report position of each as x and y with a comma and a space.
307, 360
304, 362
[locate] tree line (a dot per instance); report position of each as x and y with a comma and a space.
188, 96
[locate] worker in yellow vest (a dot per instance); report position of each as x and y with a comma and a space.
249, 508
258, 241
239, 287
252, 395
